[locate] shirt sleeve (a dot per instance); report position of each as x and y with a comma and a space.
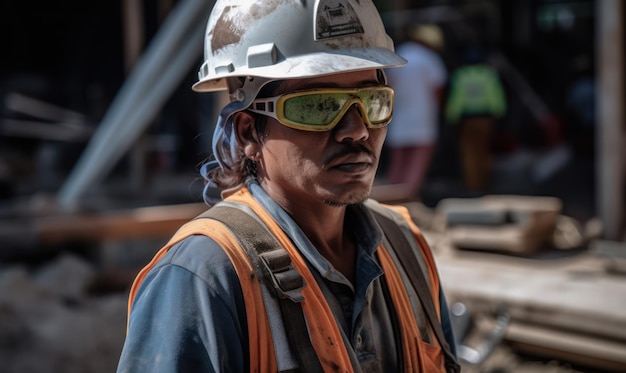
188, 315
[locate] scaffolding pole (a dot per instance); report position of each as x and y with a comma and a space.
611, 123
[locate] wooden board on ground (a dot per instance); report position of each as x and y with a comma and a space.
569, 300
128, 224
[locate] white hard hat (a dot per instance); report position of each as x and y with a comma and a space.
287, 39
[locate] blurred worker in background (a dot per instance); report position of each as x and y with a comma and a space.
475, 103
412, 137
293, 268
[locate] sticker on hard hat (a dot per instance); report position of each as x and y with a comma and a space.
336, 18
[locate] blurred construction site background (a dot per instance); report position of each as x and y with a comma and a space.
101, 139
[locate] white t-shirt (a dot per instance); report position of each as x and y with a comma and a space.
415, 118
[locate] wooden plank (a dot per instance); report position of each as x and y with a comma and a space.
508, 223
145, 222
26, 236
577, 348
569, 308
574, 294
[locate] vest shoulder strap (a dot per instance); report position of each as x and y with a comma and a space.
273, 266
419, 281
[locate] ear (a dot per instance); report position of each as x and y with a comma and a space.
246, 134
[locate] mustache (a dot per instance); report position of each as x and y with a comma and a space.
347, 149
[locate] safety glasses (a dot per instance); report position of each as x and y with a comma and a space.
320, 109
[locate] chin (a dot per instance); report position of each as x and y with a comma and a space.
352, 197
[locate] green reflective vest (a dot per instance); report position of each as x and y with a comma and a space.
475, 90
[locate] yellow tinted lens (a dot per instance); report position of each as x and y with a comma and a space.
319, 109
314, 109
379, 105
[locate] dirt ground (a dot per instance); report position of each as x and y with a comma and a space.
51, 323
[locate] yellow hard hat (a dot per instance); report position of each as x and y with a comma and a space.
430, 35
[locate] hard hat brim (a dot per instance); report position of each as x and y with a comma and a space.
313, 64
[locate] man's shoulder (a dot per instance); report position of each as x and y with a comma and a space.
200, 255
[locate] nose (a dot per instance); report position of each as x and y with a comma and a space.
351, 127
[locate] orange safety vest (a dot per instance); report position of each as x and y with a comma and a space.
419, 356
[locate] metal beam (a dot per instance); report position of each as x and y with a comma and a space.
173, 51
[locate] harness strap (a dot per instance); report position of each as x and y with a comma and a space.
273, 264
419, 281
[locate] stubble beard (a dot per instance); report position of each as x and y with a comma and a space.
353, 198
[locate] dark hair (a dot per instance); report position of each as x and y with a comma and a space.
244, 167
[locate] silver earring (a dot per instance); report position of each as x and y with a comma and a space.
256, 156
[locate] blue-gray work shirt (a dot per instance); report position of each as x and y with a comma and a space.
189, 313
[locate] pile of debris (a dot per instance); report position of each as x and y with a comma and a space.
50, 321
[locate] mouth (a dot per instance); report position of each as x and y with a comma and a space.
358, 167
354, 160
353, 163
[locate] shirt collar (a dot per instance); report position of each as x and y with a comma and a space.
360, 221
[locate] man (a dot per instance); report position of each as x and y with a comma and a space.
414, 131
291, 271
475, 104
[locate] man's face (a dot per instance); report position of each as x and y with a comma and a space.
335, 167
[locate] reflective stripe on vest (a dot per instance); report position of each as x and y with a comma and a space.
326, 336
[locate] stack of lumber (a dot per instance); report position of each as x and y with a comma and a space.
570, 307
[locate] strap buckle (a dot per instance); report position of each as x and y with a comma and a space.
288, 282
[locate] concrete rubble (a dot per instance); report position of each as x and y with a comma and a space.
49, 322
